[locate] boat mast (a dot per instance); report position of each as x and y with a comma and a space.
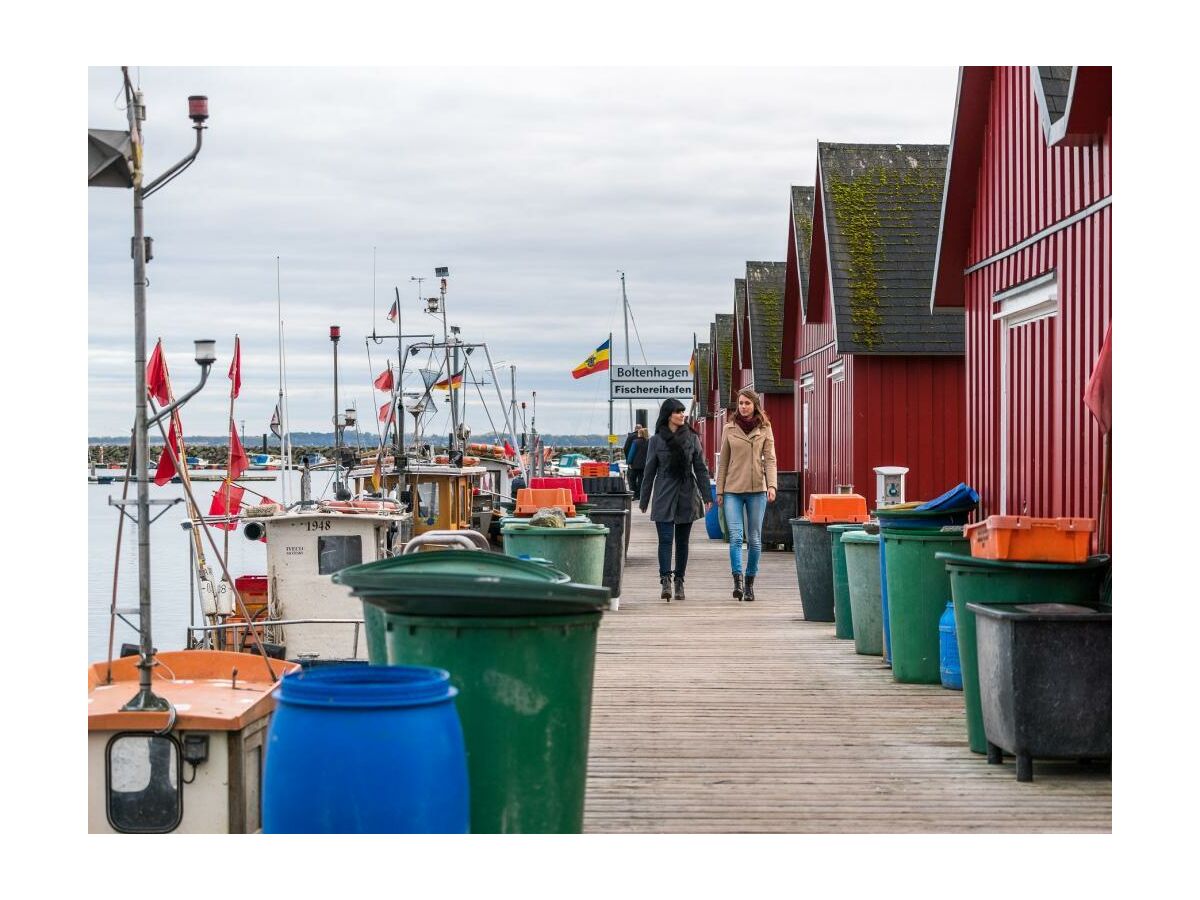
284, 449
625, 307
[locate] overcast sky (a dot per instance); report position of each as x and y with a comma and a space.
534, 186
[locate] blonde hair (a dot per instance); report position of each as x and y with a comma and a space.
642, 432
759, 413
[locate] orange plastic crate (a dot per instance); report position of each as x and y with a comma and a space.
836, 508
593, 470
1026, 539
530, 500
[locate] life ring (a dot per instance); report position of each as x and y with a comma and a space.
466, 460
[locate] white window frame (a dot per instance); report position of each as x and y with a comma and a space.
1025, 303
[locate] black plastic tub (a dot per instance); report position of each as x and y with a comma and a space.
622, 500
777, 528
1045, 682
814, 569
617, 521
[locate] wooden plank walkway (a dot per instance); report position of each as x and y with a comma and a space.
718, 716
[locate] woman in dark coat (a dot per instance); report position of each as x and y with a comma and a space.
677, 478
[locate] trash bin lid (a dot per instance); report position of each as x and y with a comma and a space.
1044, 612
859, 537
962, 496
965, 561
572, 529
470, 583
844, 527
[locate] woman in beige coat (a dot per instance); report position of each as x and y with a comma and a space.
746, 483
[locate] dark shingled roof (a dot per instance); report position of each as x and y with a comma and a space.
802, 218
764, 298
702, 364
1056, 83
724, 358
882, 207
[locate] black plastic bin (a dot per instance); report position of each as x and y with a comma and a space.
777, 528
618, 499
1045, 682
814, 569
617, 521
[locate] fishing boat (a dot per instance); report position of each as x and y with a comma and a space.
260, 462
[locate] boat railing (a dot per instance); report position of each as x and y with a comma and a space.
205, 635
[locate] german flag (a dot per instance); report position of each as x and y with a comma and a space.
597, 361
447, 383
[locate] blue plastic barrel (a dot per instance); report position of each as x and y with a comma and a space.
365, 750
712, 518
951, 669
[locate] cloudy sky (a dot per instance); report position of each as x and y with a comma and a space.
534, 186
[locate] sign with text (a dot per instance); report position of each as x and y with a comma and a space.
646, 382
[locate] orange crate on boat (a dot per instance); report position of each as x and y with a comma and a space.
593, 470
253, 591
530, 500
836, 508
1026, 539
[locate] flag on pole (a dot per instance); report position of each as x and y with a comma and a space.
385, 412
276, 422
385, 382
226, 501
235, 369
377, 472
239, 462
1098, 395
392, 313
597, 361
447, 383
166, 466
508, 449
157, 379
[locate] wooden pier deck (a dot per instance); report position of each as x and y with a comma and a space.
718, 716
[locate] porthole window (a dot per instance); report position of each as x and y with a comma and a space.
145, 794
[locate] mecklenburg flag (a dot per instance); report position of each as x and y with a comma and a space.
446, 383
597, 361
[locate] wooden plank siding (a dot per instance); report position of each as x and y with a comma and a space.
717, 716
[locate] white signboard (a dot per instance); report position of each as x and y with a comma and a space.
646, 382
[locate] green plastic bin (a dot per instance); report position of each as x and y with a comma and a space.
918, 589
993, 582
842, 617
519, 641
577, 550
862, 577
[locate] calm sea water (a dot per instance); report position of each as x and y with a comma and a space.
172, 606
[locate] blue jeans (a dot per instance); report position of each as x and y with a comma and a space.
744, 514
678, 533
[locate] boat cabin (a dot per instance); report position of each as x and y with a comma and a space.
196, 768
440, 496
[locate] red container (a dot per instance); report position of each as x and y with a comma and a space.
1026, 539
574, 485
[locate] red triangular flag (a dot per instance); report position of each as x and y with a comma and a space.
235, 368
384, 382
157, 380
385, 412
166, 467
393, 312
508, 450
238, 461
1098, 395
233, 493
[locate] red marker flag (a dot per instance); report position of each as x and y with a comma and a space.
226, 501
166, 466
1098, 395
157, 381
239, 462
508, 450
385, 412
384, 382
393, 312
235, 368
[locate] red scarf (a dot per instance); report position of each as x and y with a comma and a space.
746, 424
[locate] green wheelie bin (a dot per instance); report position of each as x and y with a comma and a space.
519, 641
918, 589
843, 621
995, 582
577, 550
862, 576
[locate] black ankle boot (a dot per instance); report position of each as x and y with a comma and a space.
679, 589
665, 581
749, 595
737, 586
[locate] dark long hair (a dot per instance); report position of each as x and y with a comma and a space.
675, 440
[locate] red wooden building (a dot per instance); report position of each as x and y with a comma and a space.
716, 385
1025, 249
758, 334
879, 379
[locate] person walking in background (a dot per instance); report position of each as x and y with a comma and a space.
675, 471
746, 482
636, 458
